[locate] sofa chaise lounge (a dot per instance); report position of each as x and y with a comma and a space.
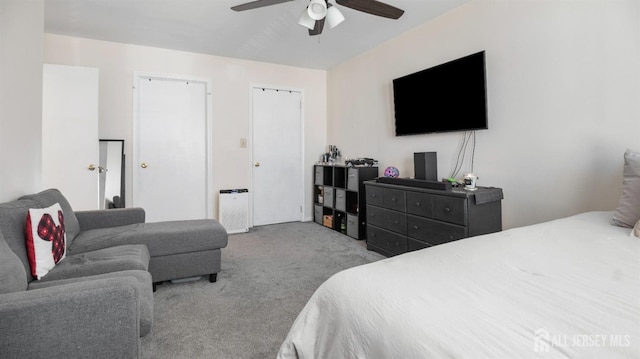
97, 300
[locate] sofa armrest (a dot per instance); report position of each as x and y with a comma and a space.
96, 319
105, 218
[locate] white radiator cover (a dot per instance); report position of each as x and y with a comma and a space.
234, 211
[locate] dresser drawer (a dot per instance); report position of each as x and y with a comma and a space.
387, 219
414, 245
420, 204
389, 241
394, 199
433, 232
450, 209
341, 199
374, 195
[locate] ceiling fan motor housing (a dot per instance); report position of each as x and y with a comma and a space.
317, 9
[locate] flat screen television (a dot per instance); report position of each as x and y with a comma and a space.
444, 98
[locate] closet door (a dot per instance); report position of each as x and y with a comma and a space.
276, 156
70, 133
171, 149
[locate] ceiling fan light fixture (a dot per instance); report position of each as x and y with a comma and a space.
334, 17
306, 20
317, 9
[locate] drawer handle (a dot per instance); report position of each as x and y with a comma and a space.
388, 244
417, 204
373, 195
395, 222
393, 199
372, 215
447, 209
415, 227
373, 235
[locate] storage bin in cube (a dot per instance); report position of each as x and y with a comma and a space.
327, 220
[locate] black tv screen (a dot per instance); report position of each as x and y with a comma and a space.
444, 98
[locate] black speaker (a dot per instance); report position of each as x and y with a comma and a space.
425, 165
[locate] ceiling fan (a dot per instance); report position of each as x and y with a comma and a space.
314, 16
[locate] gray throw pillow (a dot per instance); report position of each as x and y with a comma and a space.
628, 211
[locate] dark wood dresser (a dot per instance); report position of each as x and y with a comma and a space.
405, 218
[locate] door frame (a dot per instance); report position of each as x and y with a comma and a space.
253, 86
137, 75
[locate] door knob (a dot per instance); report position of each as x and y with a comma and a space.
144, 165
257, 164
91, 167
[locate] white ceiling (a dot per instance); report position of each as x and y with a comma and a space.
269, 34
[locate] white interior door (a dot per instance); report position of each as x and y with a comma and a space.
277, 156
171, 172
70, 133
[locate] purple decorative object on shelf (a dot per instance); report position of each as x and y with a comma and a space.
391, 172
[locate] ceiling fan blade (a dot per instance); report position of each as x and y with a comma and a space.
257, 4
373, 7
317, 30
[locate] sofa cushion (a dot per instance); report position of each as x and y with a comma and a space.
13, 277
145, 289
112, 259
51, 196
161, 238
13, 216
45, 239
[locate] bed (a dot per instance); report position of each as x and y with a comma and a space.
569, 288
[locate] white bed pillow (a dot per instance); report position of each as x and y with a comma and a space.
628, 211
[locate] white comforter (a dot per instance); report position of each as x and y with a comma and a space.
568, 288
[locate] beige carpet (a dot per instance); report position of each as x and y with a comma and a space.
267, 277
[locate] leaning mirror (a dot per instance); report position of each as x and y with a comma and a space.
111, 169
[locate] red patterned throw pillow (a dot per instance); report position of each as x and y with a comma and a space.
46, 239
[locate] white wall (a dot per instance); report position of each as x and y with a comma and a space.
231, 79
563, 100
21, 38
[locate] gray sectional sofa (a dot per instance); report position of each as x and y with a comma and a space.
98, 300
